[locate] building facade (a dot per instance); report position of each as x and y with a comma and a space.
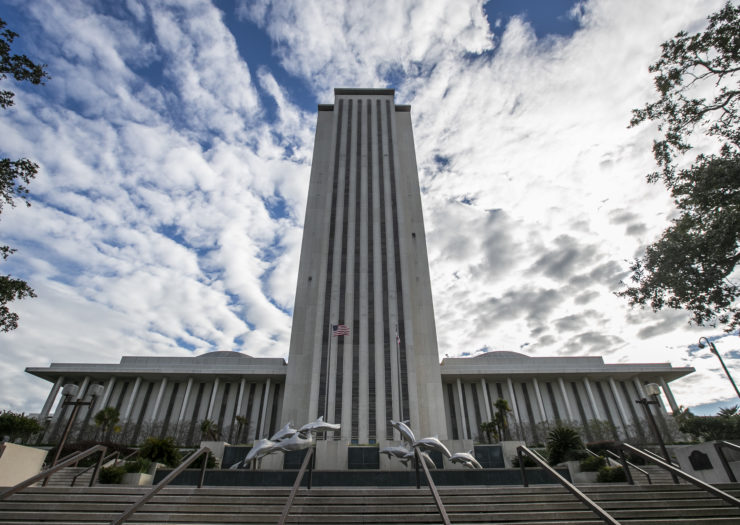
363, 347
364, 266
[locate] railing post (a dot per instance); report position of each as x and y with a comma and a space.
416, 464
521, 466
203, 469
718, 447
625, 466
310, 472
98, 465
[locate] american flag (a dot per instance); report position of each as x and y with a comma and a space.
339, 329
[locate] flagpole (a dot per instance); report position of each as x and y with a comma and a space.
398, 366
328, 368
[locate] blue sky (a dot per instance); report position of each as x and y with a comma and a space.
175, 143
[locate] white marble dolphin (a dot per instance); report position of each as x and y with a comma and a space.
396, 452
297, 441
465, 457
285, 432
404, 430
261, 447
432, 443
319, 426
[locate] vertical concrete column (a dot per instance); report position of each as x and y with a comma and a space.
540, 402
486, 400
265, 397
158, 401
52, 397
240, 395
106, 395
669, 395
514, 404
620, 405
185, 399
212, 401
83, 387
463, 415
592, 399
639, 387
564, 392
132, 399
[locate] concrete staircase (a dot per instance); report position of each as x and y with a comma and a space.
64, 477
536, 505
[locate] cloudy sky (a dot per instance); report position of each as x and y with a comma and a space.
175, 141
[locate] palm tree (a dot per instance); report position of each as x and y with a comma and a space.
209, 430
106, 419
500, 419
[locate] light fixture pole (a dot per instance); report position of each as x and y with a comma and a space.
70, 392
714, 350
652, 390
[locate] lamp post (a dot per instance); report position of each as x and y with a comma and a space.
652, 390
70, 392
714, 350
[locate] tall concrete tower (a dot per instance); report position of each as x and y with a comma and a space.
364, 273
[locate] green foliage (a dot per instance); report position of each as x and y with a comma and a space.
528, 462
209, 430
562, 442
111, 475
689, 267
138, 465
198, 463
710, 428
107, 419
15, 175
729, 411
161, 450
490, 430
18, 425
593, 463
500, 418
611, 475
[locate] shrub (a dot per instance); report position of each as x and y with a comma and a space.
111, 475
198, 463
161, 450
611, 475
592, 463
562, 441
16, 425
138, 465
528, 462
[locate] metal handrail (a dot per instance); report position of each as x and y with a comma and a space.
678, 472
604, 515
718, 445
612, 455
59, 466
166, 481
297, 483
638, 469
432, 488
107, 459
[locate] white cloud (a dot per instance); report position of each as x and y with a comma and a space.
171, 198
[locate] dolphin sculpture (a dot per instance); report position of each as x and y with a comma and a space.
432, 443
396, 452
319, 426
297, 441
285, 432
404, 430
465, 457
261, 448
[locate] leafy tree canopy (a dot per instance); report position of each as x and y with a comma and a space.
691, 265
15, 425
15, 175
